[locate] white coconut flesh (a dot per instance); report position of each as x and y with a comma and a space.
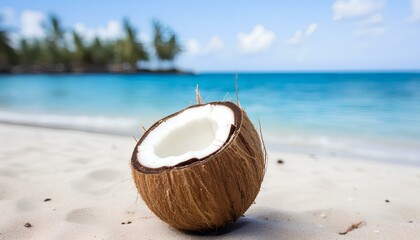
194, 133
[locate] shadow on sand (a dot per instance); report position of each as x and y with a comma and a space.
265, 223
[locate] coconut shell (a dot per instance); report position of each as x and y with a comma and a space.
209, 193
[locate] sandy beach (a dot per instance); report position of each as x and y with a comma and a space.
60, 184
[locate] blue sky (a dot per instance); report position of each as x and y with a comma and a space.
251, 35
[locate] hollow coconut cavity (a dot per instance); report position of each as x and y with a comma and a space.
200, 168
192, 134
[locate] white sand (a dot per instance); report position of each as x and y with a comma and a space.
87, 178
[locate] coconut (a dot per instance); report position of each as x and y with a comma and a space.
201, 168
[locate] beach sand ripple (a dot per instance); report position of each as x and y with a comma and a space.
59, 184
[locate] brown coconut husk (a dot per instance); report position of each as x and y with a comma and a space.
209, 193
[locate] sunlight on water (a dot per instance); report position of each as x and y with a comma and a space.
375, 114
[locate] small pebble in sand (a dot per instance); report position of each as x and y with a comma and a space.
410, 221
280, 161
47, 199
323, 215
376, 231
386, 200
28, 225
122, 223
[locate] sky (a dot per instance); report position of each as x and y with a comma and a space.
323, 35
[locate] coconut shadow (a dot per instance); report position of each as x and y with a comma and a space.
266, 223
232, 227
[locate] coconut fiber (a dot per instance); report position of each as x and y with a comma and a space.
209, 193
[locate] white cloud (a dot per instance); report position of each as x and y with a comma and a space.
311, 29
370, 32
111, 30
299, 35
257, 40
368, 27
80, 28
144, 37
374, 19
8, 15
415, 11
31, 24
296, 38
354, 8
215, 44
194, 48
371, 26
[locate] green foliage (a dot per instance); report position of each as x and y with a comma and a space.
30, 53
101, 53
81, 54
129, 49
8, 55
55, 52
165, 42
55, 48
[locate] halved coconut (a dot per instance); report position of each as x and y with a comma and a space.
200, 168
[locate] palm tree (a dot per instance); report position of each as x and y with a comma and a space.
174, 48
99, 53
165, 42
81, 54
52, 53
30, 53
56, 52
8, 56
129, 49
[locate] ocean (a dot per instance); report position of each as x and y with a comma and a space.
362, 115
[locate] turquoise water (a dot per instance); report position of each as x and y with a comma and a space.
373, 115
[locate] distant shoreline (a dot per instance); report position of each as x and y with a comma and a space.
99, 71
184, 72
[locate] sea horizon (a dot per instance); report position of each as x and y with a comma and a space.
338, 71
